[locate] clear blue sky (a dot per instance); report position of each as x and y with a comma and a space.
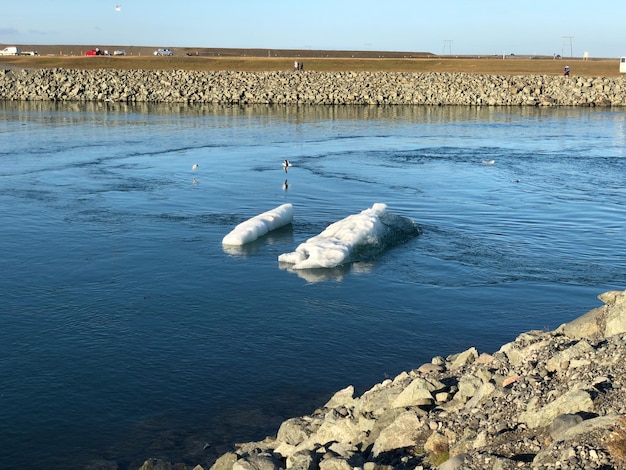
438, 26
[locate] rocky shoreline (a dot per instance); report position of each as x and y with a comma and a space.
547, 400
309, 88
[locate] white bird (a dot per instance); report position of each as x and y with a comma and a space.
118, 8
286, 165
195, 166
489, 162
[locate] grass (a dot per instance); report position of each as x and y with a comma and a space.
489, 66
616, 442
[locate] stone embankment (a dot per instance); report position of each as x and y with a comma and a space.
548, 400
310, 88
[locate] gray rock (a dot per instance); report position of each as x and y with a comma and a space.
302, 461
562, 423
257, 462
403, 432
225, 462
569, 403
457, 361
287, 88
418, 393
295, 430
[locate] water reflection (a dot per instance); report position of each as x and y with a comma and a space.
313, 276
293, 113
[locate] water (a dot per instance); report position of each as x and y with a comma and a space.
128, 332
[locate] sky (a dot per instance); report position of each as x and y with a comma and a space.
456, 27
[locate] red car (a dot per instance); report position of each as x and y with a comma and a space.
95, 51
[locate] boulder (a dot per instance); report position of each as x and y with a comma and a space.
572, 402
605, 321
403, 432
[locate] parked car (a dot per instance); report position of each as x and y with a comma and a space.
95, 51
163, 52
11, 50
119, 52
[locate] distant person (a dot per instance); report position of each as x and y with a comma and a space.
301, 65
295, 66
566, 71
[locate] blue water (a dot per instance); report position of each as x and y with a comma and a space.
128, 332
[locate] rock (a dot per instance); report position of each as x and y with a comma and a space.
295, 430
437, 443
156, 464
468, 386
323, 88
569, 403
457, 361
343, 397
579, 349
604, 321
418, 393
510, 380
429, 367
616, 316
334, 463
403, 432
225, 462
562, 423
257, 462
344, 430
302, 461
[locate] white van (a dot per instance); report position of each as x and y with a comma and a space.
622, 64
11, 50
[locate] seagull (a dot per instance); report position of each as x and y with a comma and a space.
286, 165
118, 8
195, 167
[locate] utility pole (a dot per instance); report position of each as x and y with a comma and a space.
565, 39
447, 45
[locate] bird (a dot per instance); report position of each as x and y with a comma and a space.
286, 165
195, 166
285, 185
489, 162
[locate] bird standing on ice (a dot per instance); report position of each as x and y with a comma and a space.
286, 165
194, 167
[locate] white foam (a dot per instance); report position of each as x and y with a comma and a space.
335, 245
259, 225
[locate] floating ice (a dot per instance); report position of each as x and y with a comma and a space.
259, 225
366, 233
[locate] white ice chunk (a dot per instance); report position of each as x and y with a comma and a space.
335, 245
259, 225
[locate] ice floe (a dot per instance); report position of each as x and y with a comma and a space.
259, 225
356, 236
